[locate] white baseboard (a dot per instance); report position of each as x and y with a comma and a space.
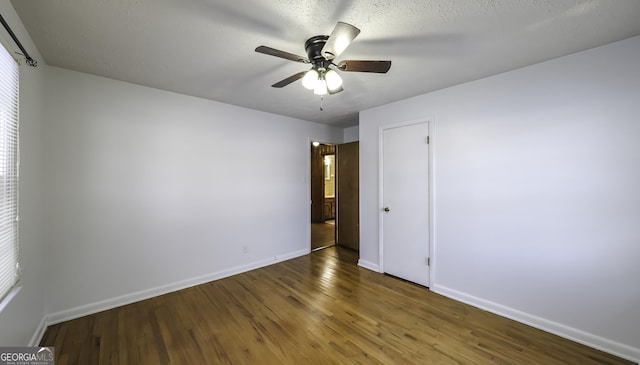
39, 333
600, 343
369, 265
81, 311
597, 342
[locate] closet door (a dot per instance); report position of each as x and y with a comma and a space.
405, 202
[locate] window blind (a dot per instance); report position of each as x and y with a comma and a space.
9, 88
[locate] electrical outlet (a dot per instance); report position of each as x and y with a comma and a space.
245, 249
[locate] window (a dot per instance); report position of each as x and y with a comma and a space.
9, 86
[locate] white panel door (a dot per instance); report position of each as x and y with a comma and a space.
405, 197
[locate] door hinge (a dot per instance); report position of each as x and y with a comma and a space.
427, 139
428, 261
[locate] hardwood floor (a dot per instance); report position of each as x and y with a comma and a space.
316, 309
322, 235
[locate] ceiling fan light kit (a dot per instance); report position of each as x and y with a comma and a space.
322, 81
321, 51
310, 79
334, 81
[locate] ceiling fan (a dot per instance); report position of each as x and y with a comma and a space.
322, 50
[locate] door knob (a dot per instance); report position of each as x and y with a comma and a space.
386, 209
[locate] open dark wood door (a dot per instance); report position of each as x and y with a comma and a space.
347, 193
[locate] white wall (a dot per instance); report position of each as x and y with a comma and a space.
537, 207
21, 321
150, 191
351, 134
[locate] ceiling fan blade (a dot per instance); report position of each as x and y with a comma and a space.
282, 54
339, 40
289, 79
365, 66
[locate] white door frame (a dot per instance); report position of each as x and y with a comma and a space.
431, 127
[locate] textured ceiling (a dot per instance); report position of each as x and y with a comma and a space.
205, 48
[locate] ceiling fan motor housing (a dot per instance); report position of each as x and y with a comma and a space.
314, 46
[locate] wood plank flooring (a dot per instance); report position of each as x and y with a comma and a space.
316, 309
322, 235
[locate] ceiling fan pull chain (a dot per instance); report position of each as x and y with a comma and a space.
321, 100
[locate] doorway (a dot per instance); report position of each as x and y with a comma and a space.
335, 206
323, 195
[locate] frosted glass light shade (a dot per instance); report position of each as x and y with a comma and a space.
321, 88
334, 81
310, 80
